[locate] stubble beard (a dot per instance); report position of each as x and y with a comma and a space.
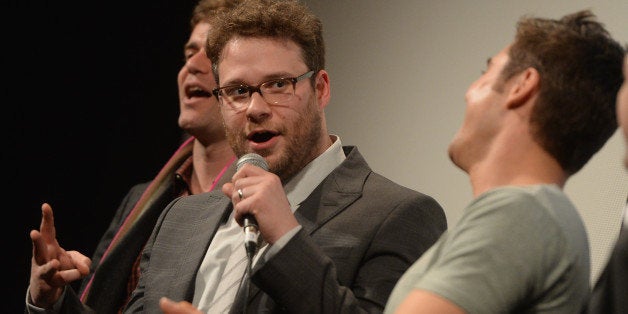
303, 143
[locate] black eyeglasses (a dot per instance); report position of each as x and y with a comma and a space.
274, 91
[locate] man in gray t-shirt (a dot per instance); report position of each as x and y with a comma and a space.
529, 234
542, 108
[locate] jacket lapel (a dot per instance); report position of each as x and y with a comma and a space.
340, 189
200, 227
203, 224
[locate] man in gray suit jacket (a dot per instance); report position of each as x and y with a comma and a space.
336, 235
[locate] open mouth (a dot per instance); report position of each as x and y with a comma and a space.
196, 91
261, 137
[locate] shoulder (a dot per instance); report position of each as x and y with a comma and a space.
525, 201
543, 215
199, 202
137, 190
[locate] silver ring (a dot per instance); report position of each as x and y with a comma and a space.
240, 194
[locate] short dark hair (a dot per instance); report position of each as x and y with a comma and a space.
206, 10
277, 19
580, 69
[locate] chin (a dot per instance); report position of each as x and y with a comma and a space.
454, 155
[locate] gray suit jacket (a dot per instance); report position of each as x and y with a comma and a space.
360, 233
111, 274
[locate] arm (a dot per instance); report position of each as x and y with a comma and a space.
327, 272
424, 302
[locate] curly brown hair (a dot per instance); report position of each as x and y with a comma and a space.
283, 20
206, 10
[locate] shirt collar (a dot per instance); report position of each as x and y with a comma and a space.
306, 180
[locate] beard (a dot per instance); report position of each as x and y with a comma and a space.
302, 136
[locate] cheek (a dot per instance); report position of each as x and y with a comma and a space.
477, 92
228, 116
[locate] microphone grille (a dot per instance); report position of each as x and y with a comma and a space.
252, 158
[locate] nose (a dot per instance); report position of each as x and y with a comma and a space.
198, 62
258, 109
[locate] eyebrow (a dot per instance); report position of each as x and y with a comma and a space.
264, 79
190, 45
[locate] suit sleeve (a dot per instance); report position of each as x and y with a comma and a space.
302, 278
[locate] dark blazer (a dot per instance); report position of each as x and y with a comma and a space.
109, 287
360, 233
610, 293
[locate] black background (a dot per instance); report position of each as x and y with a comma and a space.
90, 100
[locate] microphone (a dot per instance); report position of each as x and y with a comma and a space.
251, 230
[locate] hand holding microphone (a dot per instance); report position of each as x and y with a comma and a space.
251, 229
260, 202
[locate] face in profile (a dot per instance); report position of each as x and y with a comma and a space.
482, 120
622, 109
199, 111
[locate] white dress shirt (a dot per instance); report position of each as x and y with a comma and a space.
227, 237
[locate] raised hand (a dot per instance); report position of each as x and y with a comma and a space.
52, 267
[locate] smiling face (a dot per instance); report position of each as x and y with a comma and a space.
622, 109
482, 119
288, 135
199, 111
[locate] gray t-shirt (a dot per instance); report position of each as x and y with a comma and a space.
514, 250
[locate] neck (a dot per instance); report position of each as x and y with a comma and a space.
208, 164
517, 164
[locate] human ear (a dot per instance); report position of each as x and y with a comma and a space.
322, 88
524, 86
